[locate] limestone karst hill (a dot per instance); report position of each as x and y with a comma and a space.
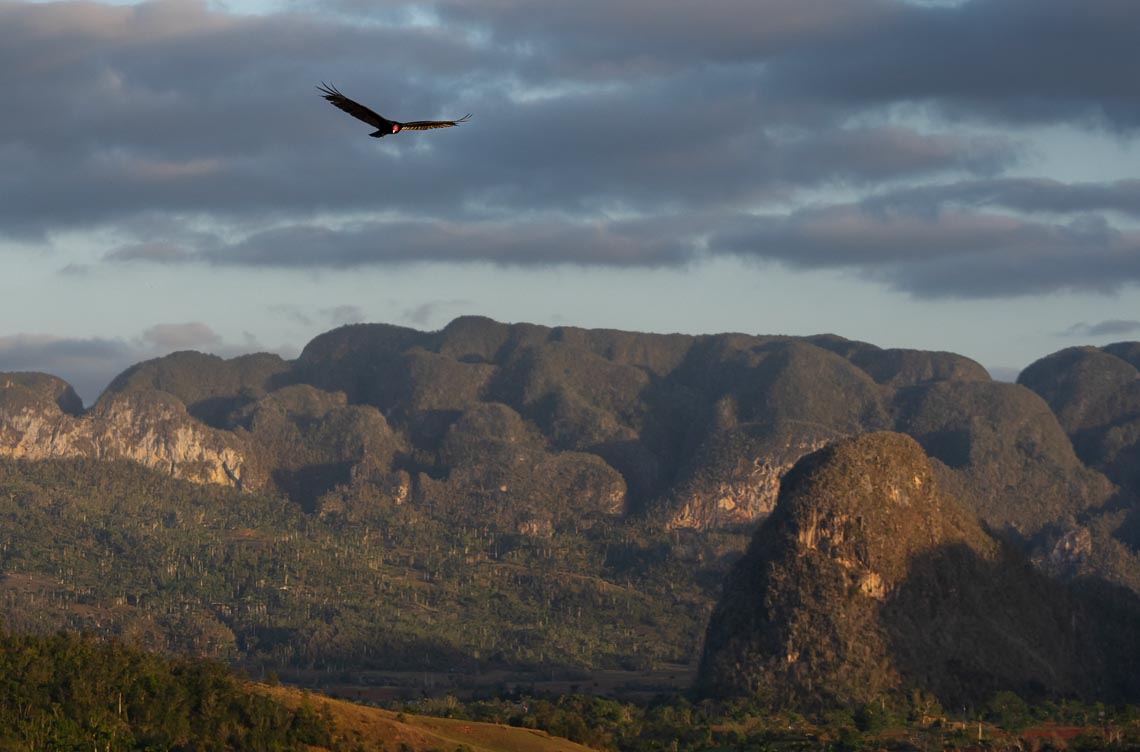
1095, 393
869, 579
541, 427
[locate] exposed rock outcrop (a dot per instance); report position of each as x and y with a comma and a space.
151, 428
867, 579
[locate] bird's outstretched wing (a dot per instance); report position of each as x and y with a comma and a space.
357, 110
427, 125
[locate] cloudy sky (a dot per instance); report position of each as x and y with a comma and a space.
946, 175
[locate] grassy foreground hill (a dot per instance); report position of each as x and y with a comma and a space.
369, 729
70, 692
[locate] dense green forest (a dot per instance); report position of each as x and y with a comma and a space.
118, 550
70, 692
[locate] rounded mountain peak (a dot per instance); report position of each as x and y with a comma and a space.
867, 580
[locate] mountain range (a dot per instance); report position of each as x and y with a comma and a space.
628, 469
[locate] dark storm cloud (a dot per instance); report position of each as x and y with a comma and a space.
1108, 328
608, 132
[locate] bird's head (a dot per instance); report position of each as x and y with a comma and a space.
395, 127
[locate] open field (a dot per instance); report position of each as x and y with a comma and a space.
376, 729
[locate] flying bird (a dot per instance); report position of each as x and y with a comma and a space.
383, 125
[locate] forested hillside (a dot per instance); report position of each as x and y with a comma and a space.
67, 692
539, 428
515, 496
119, 550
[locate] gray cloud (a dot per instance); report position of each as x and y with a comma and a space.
1008, 60
633, 243
1020, 194
189, 110
606, 132
950, 254
342, 314
1107, 328
188, 336
159, 252
953, 240
329, 316
430, 312
88, 364
1020, 60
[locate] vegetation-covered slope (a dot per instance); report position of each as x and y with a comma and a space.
119, 550
68, 692
492, 494
682, 431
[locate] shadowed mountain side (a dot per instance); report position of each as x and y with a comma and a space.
970, 627
1096, 396
309, 442
1003, 452
866, 580
1095, 393
500, 471
361, 360
210, 387
21, 391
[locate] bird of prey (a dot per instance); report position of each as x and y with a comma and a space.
383, 125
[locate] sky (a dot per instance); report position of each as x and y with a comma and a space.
959, 176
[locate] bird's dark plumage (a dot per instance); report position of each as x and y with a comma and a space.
383, 125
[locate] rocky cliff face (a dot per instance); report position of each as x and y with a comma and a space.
737, 482
40, 420
867, 579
